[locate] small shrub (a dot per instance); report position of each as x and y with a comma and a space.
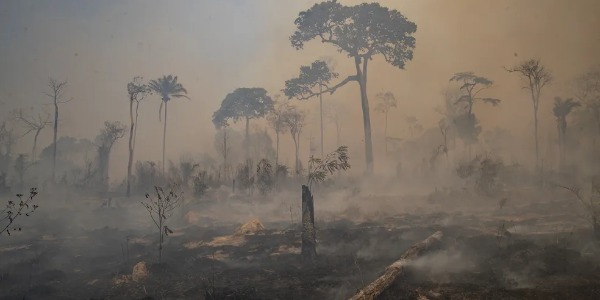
15, 209
160, 207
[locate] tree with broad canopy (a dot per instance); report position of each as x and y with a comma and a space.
243, 103
362, 32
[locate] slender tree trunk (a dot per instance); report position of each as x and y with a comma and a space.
137, 107
362, 81
34, 147
54, 139
321, 112
225, 150
247, 141
535, 132
297, 148
164, 139
130, 161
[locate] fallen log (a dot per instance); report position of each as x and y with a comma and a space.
396, 269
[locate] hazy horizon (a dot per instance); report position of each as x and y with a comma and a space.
215, 47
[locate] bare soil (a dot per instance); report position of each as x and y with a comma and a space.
541, 249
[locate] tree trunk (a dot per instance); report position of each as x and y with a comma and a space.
34, 147
225, 150
309, 241
164, 139
362, 81
321, 112
130, 161
54, 139
535, 132
297, 149
247, 141
395, 270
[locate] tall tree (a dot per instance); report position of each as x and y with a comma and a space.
136, 90
471, 85
387, 101
334, 113
33, 124
312, 81
167, 87
536, 77
294, 119
56, 94
276, 122
243, 103
362, 32
562, 108
111, 132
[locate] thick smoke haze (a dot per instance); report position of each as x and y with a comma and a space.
217, 46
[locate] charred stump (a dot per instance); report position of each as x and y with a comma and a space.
309, 240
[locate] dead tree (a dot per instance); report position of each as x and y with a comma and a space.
33, 124
536, 76
395, 270
56, 93
136, 90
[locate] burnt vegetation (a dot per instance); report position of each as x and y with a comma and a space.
362, 194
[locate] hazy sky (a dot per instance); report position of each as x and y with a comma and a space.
215, 46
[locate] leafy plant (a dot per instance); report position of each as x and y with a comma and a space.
160, 207
318, 169
15, 209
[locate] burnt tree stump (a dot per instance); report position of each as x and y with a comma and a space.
309, 239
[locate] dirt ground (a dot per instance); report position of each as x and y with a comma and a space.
537, 245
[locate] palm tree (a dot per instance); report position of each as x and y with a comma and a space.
167, 87
562, 108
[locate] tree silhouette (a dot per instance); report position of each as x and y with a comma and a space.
294, 119
467, 124
276, 122
243, 103
111, 132
136, 90
334, 112
471, 86
33, 124
536, 77
56, 94
167, 87
387, 101
562, 108
362, 32
311, 82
